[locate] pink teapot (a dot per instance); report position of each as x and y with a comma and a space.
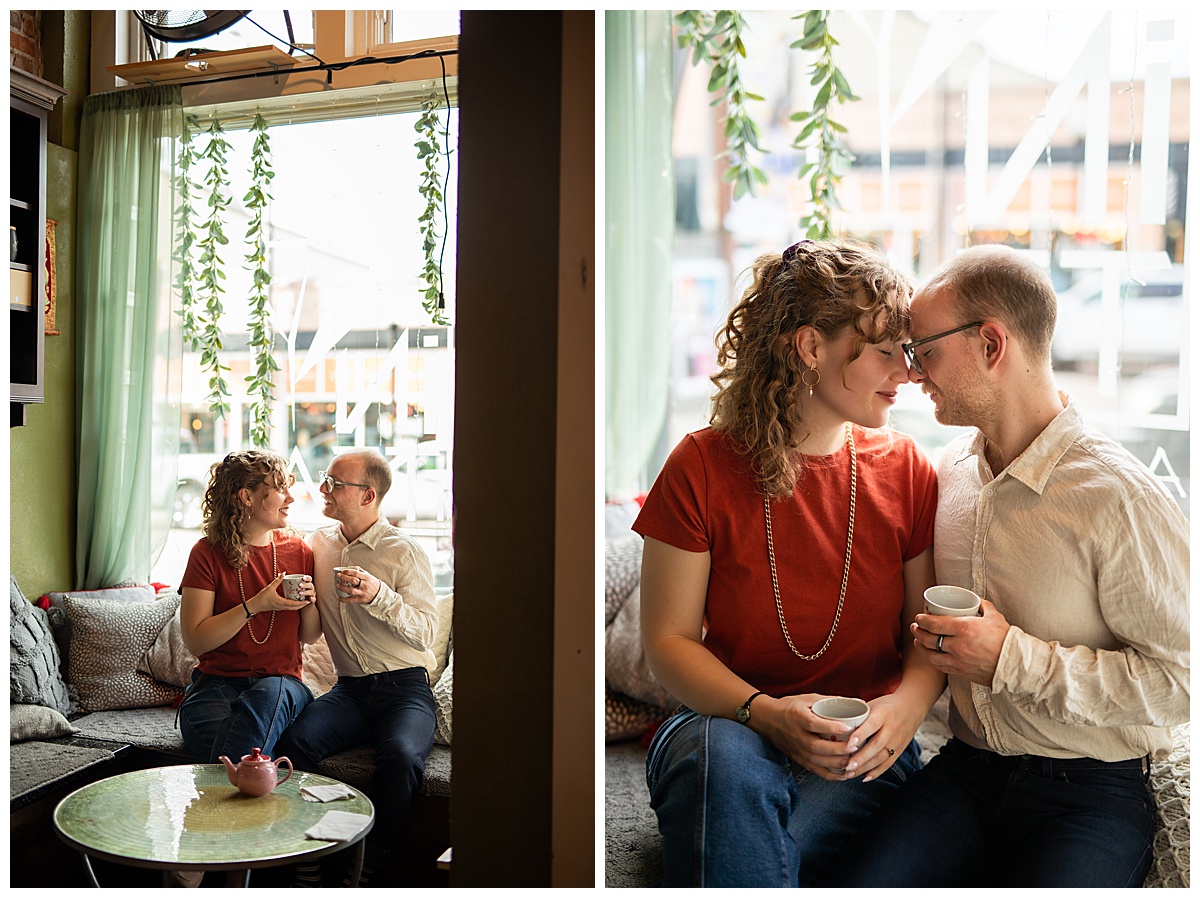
257, 774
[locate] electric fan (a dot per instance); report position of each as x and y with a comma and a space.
180, 25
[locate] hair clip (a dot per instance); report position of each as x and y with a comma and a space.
789, 254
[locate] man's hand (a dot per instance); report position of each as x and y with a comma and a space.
970, 646
361, 586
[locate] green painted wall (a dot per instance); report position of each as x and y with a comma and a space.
42, 453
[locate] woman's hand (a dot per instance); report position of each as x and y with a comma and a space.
270, 598
807, 739
883, 736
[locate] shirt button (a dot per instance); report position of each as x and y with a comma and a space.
978, 559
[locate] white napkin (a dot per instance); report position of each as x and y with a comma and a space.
325, 793
337, 826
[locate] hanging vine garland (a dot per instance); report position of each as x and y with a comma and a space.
211, 273
429, 150
260, 382
717, 37
186, 189
819, 130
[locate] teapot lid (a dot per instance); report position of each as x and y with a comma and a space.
255, 757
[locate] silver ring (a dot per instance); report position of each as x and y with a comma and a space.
891, 752
939, 644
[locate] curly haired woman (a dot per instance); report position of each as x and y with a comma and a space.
246, 634
787, 547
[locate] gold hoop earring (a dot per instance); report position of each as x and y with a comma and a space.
804, 379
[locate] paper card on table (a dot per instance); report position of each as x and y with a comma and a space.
326, 793
336, 826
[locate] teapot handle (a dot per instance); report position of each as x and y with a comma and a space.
279, 761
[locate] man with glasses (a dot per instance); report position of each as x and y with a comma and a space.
1066, 685
379, 617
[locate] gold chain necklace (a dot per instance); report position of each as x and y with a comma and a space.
845, 570
274, 574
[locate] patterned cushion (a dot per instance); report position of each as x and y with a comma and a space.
443, 694
60, 623
107, 640
1171, 783
35, 676
441, 641
622, 572
149, 728
317, 671
27, 722
627, 718
168, 660
625, 667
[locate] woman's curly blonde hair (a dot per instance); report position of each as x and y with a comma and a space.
225, 517
829, 285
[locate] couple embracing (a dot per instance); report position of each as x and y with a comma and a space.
787, 550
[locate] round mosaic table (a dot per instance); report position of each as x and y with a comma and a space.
190, 818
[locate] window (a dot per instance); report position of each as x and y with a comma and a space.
362, 365
951, 149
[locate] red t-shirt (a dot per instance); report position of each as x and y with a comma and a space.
706, 500
210, 570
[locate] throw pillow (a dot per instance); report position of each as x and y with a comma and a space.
168, 660
61, 623
27, 722
107, 640
622, 572
625, 667
441, 641
627, 718
35, 677
443, 694
317, 671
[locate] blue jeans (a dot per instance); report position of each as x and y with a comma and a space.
393, 711
733, 813
976, 818
231, 715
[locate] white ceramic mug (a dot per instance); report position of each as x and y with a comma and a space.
954, 601
850, 711
291, 587
337, 572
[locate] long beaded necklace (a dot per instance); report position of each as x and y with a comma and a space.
242, 593
845, 570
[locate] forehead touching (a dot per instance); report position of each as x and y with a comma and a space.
932, 311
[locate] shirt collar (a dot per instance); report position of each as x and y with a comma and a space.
1034, 466
370, 538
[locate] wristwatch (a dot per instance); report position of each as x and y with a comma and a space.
742, 714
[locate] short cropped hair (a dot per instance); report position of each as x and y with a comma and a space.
375, 469
997, 282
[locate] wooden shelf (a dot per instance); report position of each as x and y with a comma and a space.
205, 65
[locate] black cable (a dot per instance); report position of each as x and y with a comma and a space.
445, 195
288, 20
328, 68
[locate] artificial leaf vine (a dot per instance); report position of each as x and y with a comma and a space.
211, 273
260, 382
429, 150
819, 130
186, 220
717, 37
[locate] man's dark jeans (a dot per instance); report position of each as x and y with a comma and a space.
394, 712
976, 818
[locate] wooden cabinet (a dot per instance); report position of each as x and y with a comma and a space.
30, 100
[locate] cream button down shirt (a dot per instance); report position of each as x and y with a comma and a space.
1086, 555
396, 629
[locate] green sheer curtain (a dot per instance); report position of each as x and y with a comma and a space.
639, 201
128, 346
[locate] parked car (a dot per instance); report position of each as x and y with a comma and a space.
1151, 320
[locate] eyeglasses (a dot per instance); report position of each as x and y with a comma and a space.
910, 349
333, 483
